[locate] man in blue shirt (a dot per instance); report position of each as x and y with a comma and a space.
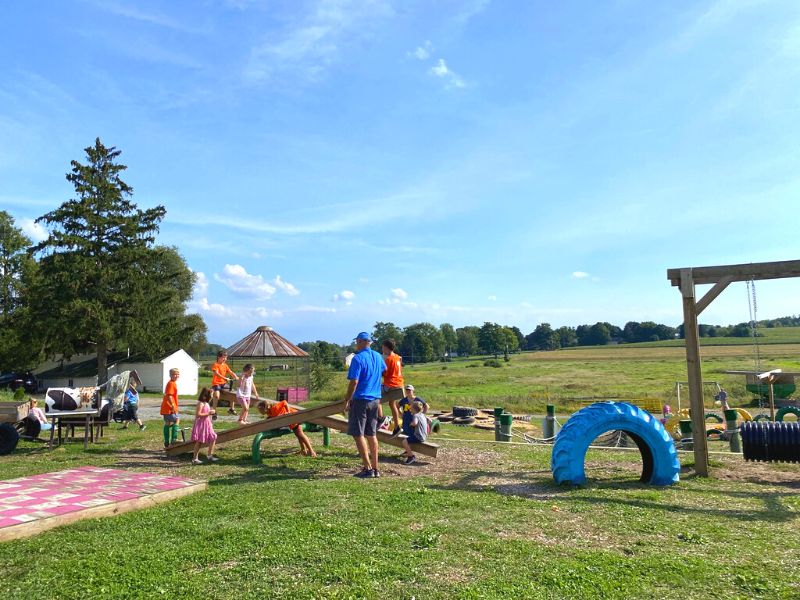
362, 402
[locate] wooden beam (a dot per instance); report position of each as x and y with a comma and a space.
741, 272
712, 294
695, 378
340, 424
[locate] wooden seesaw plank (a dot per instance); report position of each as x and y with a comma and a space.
265, 425
340, 424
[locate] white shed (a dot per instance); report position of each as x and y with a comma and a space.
154, 376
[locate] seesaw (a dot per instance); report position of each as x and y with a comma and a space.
320, 415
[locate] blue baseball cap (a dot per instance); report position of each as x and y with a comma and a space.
363, 336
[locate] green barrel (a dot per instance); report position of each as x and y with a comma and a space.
498, 410
549, 423
686, 433
506, 419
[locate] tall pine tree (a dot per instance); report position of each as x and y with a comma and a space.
103, 285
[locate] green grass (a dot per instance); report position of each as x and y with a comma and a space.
774, 335
487, 522
481, 521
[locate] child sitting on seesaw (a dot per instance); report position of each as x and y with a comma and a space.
418, 431
283, 408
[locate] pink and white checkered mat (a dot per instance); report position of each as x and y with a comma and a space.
35, 499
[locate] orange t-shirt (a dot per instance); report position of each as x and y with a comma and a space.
393, 375
218, 373
281, 408
169, 405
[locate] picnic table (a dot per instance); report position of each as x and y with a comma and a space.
57, 416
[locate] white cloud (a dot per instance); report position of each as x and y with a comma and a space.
492, 298
35, 231
217, 310
345, 296
422, 52
261, 311
307, 48
200, 286
285, 286
441, 70
580, 274
240, 282
399, 294
152, 18
314, 309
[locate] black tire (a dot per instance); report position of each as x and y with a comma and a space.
713, 416
463, 420
446, 418
464, 411
8, 438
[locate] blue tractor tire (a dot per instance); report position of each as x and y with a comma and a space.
660, 465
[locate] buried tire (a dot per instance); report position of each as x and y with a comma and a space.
8, 438
660, 464
787, 410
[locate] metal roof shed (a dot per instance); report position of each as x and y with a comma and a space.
282, 368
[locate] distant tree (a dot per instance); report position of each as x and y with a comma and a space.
521, 343
467, 340
17, 270
418, 343
599, 335
103, 284
511, 343
384, 331
491, 339
449, 337
741, 330
544, 338
582, 333
567, 337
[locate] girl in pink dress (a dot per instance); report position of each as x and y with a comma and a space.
203, 430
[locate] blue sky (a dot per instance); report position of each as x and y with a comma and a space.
327, 164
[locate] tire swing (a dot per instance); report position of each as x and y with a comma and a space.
787, 410
660, 465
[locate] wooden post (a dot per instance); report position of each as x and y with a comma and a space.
771, 400
692, 338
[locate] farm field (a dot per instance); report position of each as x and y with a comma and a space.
568, 378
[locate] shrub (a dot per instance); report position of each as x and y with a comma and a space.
19, 394
492, 362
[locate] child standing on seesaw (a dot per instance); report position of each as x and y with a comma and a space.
219, 376
246, 387
169, 409
203, 429
418, 433
283, 408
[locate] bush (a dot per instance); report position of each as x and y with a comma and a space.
19, 394
492, 362
472, 365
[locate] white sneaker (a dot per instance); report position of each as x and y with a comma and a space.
197, 461
213, 459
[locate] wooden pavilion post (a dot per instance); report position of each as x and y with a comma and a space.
721, 276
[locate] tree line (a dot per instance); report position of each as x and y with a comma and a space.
425, 342
98, 282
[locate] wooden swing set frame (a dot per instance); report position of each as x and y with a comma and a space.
685, 279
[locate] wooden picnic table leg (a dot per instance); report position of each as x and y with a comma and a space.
86, 434
52, 432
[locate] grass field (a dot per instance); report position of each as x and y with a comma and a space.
479, 522
483, 520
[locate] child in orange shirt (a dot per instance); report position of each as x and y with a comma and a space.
392, 378
220, 372
283, 408
169, 409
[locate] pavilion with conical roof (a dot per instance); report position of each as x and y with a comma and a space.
282, 369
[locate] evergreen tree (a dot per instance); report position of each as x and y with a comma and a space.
104, 286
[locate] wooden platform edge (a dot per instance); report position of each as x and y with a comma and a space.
31, 528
